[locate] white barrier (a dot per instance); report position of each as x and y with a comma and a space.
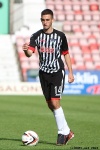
20, 88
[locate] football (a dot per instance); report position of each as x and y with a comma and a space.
30, 138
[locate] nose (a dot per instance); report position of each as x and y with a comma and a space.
45, 21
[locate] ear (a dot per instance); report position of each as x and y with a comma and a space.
52, 20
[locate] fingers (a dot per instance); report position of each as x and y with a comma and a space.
70, 79
25, 46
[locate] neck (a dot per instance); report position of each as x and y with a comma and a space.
50, 30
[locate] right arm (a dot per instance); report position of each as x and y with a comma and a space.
28, 52
29, 48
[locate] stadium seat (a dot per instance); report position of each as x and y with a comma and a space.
85, 7
87, 57
80, 66
96, 57
94, 6
75, 50
34, 65
59, 6
67, 7
89, 65
97, 65
80, 21
60, 16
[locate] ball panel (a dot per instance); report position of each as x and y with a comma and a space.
30, 138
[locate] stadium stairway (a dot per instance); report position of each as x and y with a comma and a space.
9, 68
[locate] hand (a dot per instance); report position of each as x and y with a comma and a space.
70, 78
25, 47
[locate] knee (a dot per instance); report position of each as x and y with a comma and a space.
53, 104
50, 107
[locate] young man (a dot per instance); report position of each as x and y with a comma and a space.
51, 44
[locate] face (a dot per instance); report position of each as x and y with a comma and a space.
47, 21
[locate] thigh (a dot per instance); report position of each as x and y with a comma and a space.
45, 85
57, 85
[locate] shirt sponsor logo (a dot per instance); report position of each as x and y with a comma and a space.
42, 40
46, 50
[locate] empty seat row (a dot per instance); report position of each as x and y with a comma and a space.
73, 5
62, 16
76, 8
67, 27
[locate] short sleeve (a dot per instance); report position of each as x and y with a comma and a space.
64, 48
32, 43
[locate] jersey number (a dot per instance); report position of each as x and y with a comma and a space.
58, 90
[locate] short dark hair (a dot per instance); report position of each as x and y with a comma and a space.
46, 12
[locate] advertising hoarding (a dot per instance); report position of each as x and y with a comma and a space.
86, 82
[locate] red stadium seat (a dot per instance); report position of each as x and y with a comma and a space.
94, 7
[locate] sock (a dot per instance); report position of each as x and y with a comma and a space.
62, 125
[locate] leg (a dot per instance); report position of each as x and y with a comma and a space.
57, 86
53, 104
57, 110
64, 132
52, 87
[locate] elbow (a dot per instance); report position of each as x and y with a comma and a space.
28, 55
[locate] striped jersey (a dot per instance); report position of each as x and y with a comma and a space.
50, 48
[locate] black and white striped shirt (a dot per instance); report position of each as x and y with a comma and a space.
50, 47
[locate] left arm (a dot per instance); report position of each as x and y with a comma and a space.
67, 58
69, 65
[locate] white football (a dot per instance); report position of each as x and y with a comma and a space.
30, 138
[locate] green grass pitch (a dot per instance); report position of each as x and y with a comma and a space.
21, 113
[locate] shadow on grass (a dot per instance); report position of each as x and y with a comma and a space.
41, 142
6, 139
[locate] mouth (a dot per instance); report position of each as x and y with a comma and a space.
45, 25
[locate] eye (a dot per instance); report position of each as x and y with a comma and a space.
42, 19
45, 19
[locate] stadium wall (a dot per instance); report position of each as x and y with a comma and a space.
21, 88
